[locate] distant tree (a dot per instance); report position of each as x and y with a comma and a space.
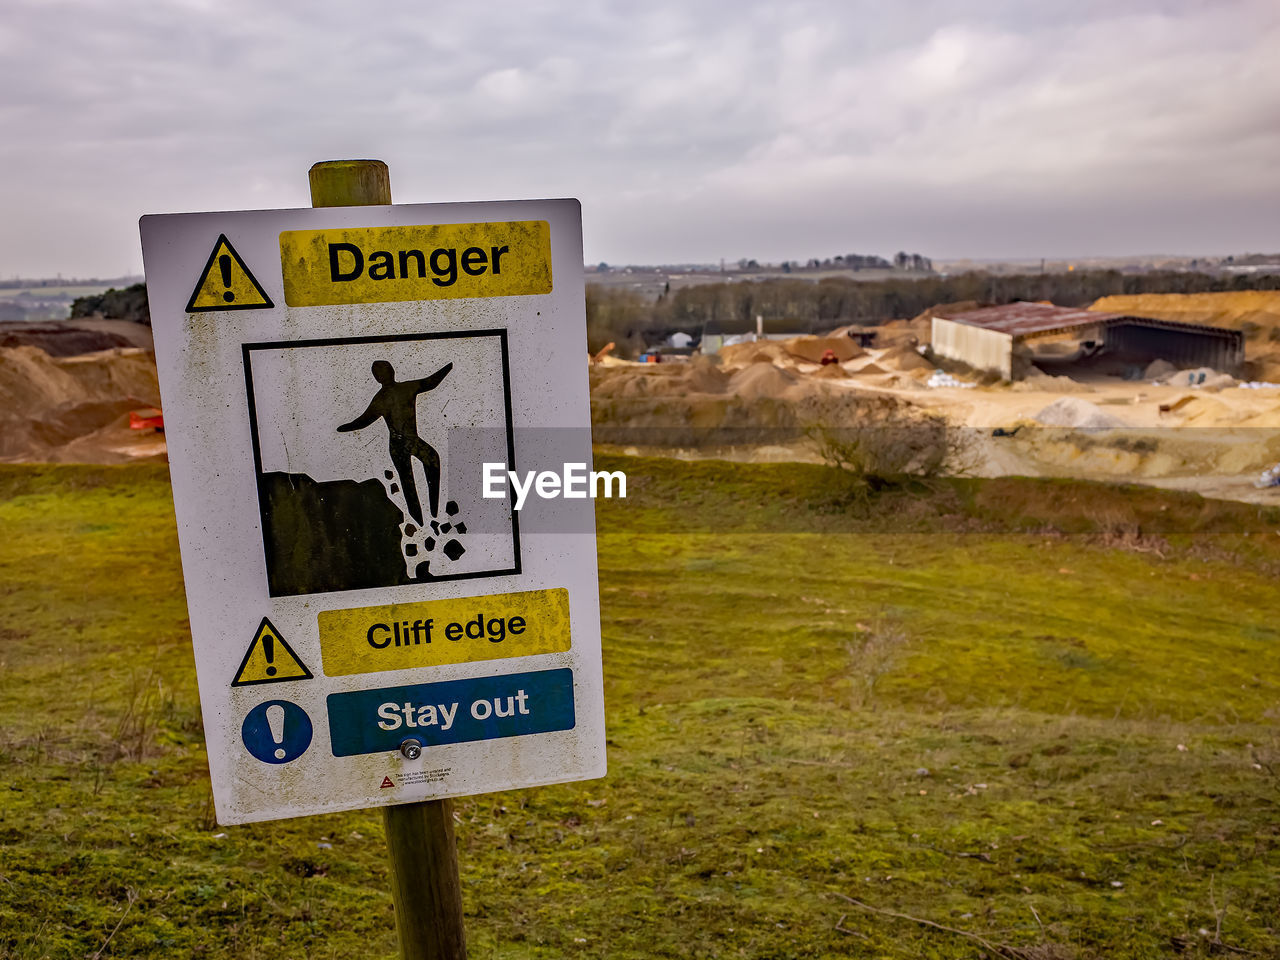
617, 316
127, 304
792, 303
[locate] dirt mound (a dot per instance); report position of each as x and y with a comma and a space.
47, 402
903, 358
630, 383
703, 375
869, 369
59, 340
1269, 418
1077, 414
1158, 370
832, 371
812, 348
740, 354
699, 375
1257, 312
788, 353
1204, 411
946, 310
1036, 380
1263, 365
761, 380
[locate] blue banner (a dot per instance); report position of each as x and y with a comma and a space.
457, 711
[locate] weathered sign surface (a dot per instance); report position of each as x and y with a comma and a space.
369, 627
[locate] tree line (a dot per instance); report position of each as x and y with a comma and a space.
129, 303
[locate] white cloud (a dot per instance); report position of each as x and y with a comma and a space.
690, 131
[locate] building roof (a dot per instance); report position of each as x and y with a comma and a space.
1023, 319
1026, 319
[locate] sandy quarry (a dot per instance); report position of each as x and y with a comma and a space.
1213, 440
1168, 429
76, 408
761, 402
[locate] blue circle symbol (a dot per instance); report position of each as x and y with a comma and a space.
276, 731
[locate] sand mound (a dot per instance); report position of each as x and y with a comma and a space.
946, 310
761, 380
812, 348
1036, 381
629, 381
1077, 414
703, 375
1255, 311
905, 359
740, 354
1202, 411
46, 402
787, 353
832, 371
59, 339
1263, 365
869, 369
1270, 418
1158, 370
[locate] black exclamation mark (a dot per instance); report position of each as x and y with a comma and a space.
269, 646
224, 264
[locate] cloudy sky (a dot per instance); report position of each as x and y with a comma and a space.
691, 131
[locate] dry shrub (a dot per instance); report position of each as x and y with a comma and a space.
891, 450
871, 656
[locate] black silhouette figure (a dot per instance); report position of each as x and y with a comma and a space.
397, 403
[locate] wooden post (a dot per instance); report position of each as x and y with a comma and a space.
349, 183
424, 857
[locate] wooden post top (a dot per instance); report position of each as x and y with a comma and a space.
349, 183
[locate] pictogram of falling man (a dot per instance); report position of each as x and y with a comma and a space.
397, 403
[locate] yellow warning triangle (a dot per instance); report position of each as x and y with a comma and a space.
269, 659
226, 283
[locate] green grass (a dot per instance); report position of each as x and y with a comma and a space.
1046, 714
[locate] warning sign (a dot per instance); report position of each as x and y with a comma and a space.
339, 387
277, 731
435, 262
226, 283
343, 429
496, 627
269, 660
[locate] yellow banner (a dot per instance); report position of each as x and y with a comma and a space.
395, 264
401, 635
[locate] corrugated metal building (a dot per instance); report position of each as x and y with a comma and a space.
986, 339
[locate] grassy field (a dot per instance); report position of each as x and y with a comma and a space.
1007, 718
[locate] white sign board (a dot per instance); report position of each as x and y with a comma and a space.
369, 627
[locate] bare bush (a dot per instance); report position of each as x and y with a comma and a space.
893, 450
872, 654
